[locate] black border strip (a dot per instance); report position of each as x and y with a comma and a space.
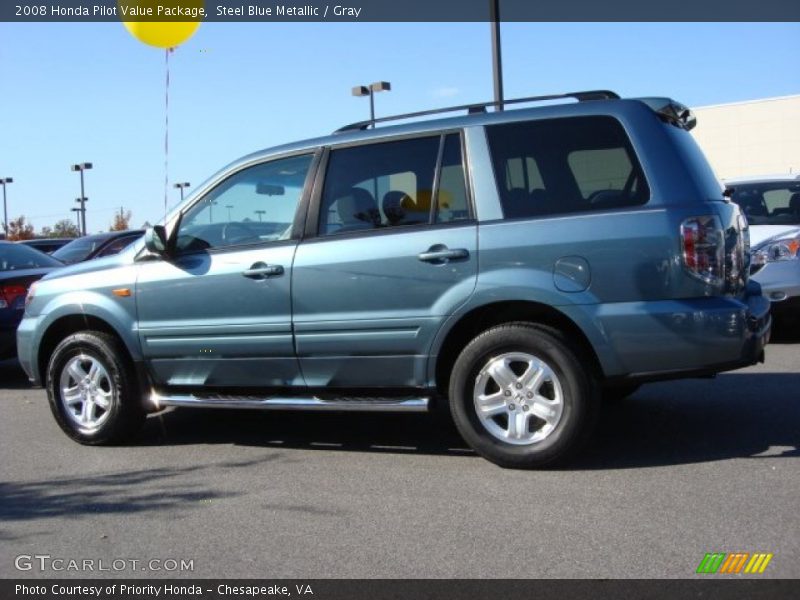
407, 10
707, 587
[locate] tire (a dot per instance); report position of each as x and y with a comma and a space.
618, 393
544, 422
93, 391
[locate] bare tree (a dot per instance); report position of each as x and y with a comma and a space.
121, 221
18, 229
65, 228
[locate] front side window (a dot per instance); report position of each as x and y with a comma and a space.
391, 184
566, 165
255, 205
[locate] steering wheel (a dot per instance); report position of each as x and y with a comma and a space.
230, 235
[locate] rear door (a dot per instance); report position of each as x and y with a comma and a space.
390, 252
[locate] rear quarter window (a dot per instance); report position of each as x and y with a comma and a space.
568, 165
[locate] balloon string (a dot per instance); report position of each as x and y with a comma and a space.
166, 132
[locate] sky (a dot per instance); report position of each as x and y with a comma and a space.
75, 92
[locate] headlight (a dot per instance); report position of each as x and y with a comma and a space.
776, 250
29, 296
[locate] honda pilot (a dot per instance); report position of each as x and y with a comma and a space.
507, 269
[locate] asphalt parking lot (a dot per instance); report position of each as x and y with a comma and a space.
681, 469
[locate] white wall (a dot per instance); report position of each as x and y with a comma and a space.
761, 137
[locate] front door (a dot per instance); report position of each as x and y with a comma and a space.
217, 313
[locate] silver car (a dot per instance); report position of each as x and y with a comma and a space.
772, 206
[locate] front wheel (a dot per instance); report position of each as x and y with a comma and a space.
92, 390
520, 396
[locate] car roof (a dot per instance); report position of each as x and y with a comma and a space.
107, 235
347, 136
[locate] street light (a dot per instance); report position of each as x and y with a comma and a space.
81, 167
260, 213
181, 187
229, 207
3, 182
370, 90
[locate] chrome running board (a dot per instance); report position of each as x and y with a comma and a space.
403, 404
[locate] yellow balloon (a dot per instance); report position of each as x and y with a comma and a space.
161, 34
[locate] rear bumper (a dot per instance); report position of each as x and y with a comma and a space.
8, 344
648, 341
752, 353
9, 319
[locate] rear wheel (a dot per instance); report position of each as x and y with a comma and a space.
520, 397
92, 390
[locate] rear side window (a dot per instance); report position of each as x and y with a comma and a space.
393, 184
565, 165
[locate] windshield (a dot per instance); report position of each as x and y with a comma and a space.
769, 202
16, 257
77, 250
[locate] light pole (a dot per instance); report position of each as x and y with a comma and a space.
81, 167
229, 207
260, 213
370, 90
497, 59
4, 181
181, 187
77, 217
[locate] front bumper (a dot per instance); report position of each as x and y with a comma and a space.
779, 281
27, 346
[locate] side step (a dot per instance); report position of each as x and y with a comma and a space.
403, 404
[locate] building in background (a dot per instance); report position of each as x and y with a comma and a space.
759, 137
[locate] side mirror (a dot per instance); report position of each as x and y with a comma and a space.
155, 240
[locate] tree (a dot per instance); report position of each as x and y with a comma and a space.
18, 229
66, 229
121, 221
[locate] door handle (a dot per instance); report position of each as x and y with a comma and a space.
262, 270
441, 254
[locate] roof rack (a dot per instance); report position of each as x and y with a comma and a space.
481, 107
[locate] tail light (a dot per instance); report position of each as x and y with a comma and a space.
9, 295
703, 242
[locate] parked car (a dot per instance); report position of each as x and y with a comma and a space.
772, 205
20, 266
96, 246
517, 263
47, 245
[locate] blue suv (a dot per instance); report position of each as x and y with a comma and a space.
507, 269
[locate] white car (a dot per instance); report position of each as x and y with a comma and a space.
772, 207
